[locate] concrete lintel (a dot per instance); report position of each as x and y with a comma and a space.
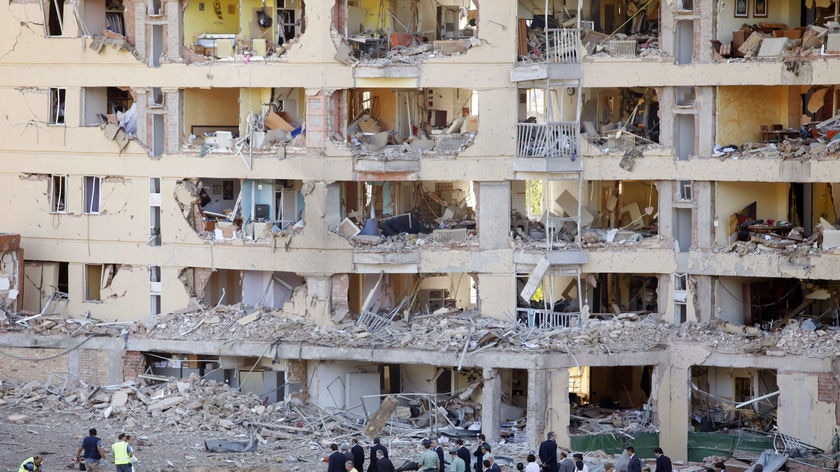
788, 362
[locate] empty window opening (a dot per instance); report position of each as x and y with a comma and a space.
55, 17
63, 277
685, 96
57, 101
58, 194
685, 42
155, 7
724, 398
98, 277
93, 191
114, 21
627, 388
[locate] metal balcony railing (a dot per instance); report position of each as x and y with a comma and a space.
550, 140
536, 318
562, 45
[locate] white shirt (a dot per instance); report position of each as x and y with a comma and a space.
532, 467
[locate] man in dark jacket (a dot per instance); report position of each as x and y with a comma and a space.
439, 451
663, 462
373, 461
336, 461
358, 455
383, 464
548, 453
464, 453
635, 464
479, 453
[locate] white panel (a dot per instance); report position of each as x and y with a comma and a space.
359, 384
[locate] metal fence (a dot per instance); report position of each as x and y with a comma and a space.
534, 317
562, 45
553, 140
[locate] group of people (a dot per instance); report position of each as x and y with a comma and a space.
347, 458
90, 455
554, 459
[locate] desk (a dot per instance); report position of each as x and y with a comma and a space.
777, 136
370, 47
779, 229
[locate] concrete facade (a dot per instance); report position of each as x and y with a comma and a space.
121, 230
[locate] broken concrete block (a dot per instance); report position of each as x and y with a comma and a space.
825, 224
18, 419
226, 423
831, 238
119, 399
772, 47
166, 403
248, 319
183, 387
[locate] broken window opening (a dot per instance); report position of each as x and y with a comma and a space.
97, 278
548, 125
247, 31
269, 289
408, 214
114, 21
408, 31
58, 193
107, 105
93, 191
57, 101
48, 281
622, 294
55, 17
624, 120
552, 298
725, 398
613, 399
407, 124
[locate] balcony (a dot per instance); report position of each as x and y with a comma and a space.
548, 147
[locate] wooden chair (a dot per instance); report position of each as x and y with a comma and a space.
765, 134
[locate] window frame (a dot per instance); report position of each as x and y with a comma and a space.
58, 197
89, 198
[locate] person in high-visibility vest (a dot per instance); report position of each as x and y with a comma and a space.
122, 454
31, 464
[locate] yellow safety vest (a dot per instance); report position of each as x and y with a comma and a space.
121, 455
22, 464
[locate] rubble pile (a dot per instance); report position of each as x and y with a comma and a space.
802, 149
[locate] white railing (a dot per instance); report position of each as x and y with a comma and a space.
552, 140
562, 45
536, 318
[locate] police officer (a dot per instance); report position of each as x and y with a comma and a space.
122, 454
428, 461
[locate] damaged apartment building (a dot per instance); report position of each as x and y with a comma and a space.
606, 218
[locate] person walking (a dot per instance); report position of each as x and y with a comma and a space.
663, 462
635, 465
532, 465
335, 463
428, 460
479, 453
90, 452
548, 453
456, 463
439, 451
122, 454
358, 455
383, 464
566, 462
31, 464
373, 466
463, 452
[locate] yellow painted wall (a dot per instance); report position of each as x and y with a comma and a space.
373, 19
742, 111
385, 107
251, 100
778, 11
197, 21
211, 107
731, 197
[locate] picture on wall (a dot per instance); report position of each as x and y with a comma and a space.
217, 189
742, 8
760, 8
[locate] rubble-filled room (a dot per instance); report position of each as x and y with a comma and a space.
547, 126
407, 31
610, 295
766, 216
787, 28
406, 124
376, 301
611, 212
246, 29
551, 300
620, 119
406, 215
788, 122
612, 27
613, 400
727, 399
764, 303
242, 288
243, 121
249, 209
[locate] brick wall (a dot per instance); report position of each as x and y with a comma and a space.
828, 390
93, 366
134, 364
20, 367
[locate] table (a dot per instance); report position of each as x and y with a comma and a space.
779, 135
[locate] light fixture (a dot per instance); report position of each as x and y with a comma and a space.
570, 91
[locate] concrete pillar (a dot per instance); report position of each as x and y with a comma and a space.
174, 104
493, 215
491, 405
74, 362
115, 367
667, 103
558, 409
538, 395
704, 215
174, 30
702, 298
665, 297
318, 286
672, 403
665, 207
140, 29
141, 98
705, 119
497, 295
316, 117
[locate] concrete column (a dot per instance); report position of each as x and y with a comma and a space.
672, 403
701, 298
665, 297
140, 29
316, 117
538, 395
491, 405
173, 105
705, 119
115, 367
665, 207
558, 409
704, 215
497, 295
318, 286
493, 215
667, 102
74, 362
174, 30
141, 98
